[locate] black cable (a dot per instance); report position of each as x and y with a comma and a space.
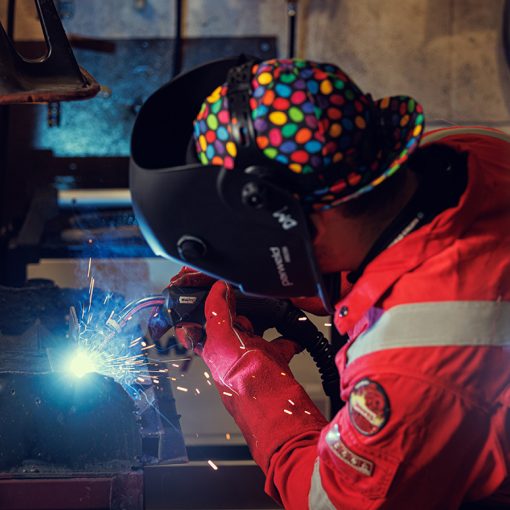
292, 323
177, 60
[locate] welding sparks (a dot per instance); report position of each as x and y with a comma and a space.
101, 347
308, 412
134, 342
91, 291
303, 319
290, 402
213, 465
287, 411
102, 341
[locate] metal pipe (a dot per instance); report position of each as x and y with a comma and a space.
4, 136
99, 198
292, 15
11, 8
177, 60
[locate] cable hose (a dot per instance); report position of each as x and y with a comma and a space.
296, 326
321, 353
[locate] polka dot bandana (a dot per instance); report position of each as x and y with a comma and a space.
312, 120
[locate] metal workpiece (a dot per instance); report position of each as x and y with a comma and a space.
54, 423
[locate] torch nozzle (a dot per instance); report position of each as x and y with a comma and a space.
117, 322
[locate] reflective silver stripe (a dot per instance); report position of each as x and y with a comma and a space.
484, 323
317, 498
434, 137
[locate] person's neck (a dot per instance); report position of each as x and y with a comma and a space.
363, 231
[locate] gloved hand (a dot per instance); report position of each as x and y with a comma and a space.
254, 379
189, 277
229, 336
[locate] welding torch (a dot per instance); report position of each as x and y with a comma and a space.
179, 305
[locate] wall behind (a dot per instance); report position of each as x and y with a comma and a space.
448, 54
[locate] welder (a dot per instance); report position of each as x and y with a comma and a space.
276, 175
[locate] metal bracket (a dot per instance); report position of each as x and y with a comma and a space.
53, 77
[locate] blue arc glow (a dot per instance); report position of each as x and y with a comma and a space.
81, 363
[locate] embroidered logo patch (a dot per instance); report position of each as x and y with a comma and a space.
363, 466
369, 408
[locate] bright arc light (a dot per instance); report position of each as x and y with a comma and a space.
81, 363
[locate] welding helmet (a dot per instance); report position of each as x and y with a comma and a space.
229, 159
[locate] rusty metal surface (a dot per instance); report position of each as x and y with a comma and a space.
53, 92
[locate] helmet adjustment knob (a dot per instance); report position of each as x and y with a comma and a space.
191, 248
254, 195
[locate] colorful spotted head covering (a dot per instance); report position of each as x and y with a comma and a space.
310, 119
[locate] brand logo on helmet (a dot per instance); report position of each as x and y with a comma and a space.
278, 257
285, 220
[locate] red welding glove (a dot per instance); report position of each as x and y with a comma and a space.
254, 380
189, 277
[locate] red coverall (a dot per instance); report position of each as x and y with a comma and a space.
426, 373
